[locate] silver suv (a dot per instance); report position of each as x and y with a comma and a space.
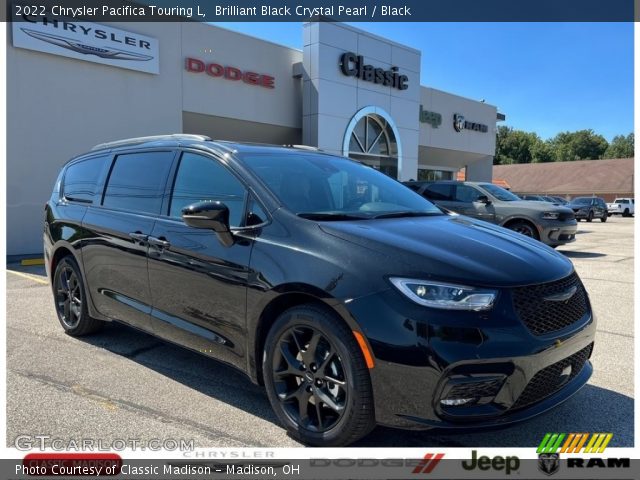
551, 224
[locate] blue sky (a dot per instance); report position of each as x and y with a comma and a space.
546, 77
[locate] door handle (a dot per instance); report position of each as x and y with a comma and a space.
159, 242
138, 236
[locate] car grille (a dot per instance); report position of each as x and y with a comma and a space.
544, 316
549, 380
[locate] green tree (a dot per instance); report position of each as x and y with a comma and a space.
621, 147
542, 152
579, 145
513, 146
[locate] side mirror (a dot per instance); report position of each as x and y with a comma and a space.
483, 199
211, 215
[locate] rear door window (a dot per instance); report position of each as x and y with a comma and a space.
82, 179
137, 181
439, 191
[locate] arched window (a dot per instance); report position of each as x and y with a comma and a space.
371, 138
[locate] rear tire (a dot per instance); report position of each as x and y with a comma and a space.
625, 213
316, 378
70, 299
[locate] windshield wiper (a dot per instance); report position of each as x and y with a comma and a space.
331, 216
407, 213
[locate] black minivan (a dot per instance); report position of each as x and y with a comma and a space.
351, 298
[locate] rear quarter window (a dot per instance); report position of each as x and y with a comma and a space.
82, 179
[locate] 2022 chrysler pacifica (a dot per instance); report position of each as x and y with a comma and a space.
353, 299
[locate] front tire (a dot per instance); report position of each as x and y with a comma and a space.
71, 300
590, 217
604, 218
316, 378
525, 229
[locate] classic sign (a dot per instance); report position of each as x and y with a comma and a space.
352, 65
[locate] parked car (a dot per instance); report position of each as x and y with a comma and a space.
352, 299
622, 206
535, 198
588, 208
543, 198
551, 224
558, 200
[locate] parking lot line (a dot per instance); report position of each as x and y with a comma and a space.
30, 277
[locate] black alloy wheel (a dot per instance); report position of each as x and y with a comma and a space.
316, 378
525, 229
70, 299
310, 379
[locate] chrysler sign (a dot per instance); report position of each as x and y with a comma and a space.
87, 41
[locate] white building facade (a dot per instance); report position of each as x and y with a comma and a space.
71, 85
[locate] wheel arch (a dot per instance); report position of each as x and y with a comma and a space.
63, 250
512, 220
288, 296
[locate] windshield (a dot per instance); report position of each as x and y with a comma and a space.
499, 192
581, 201
324, 187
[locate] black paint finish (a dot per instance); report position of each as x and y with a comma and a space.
184, 285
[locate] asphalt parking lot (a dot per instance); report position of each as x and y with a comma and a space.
123, 384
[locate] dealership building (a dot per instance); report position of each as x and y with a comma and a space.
72, 85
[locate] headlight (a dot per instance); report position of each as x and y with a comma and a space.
550, 215
444, 295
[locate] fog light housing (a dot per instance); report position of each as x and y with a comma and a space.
456, 402
471, 390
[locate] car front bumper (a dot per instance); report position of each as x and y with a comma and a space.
424, 356
556, 233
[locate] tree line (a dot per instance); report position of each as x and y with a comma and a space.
518, 146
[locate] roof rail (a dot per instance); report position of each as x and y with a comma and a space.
303, 147
153, 138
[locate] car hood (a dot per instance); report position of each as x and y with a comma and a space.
537, 206
456, 249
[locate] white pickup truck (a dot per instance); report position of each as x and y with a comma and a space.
622, 206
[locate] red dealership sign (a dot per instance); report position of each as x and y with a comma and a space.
229, 73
